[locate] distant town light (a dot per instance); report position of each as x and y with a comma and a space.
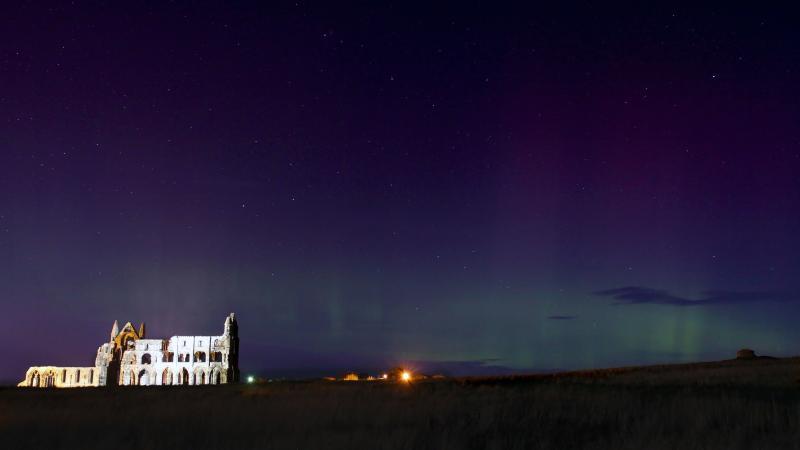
405, 376
385, 376
251, 379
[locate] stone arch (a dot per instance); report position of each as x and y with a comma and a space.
35, 379
199, 377
147, 359
215, 376
129, 378
184, 376
49, 379
144, 378
166, 377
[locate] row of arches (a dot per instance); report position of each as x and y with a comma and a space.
147, 358
167, 377
49, 378
42, 380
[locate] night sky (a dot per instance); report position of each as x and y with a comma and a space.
459, 189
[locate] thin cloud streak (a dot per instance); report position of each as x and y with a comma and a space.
640, 295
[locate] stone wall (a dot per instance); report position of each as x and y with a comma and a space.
180, 360
62, 377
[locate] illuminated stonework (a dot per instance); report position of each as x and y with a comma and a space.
130, 359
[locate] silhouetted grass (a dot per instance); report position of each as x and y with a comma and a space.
726, 405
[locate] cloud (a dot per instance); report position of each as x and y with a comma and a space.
634, 295
639, 295
562, 317
479, 367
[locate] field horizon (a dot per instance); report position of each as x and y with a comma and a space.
731, 404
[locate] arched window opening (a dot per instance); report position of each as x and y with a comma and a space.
146, 358
200, 356
180, 357
91, 376
184, 376
166, 377
64, 375
144, 378
35, 379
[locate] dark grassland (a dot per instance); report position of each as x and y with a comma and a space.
722, 405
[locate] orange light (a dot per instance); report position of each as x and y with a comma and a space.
405, 376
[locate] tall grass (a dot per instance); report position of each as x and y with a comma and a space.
733, 405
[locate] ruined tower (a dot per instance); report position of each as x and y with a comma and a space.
232, 332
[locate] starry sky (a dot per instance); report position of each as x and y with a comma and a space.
459, 189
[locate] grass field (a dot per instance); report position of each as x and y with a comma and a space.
723, 405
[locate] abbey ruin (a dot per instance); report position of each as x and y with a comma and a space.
128, 358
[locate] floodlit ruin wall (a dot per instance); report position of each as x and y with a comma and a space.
51, 376
130, 359
179, 360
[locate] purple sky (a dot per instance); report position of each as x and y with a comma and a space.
460, 189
